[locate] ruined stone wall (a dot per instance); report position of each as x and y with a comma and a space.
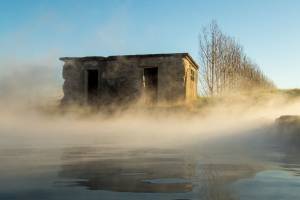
73, 86
121, 79
190, 83
171, 80
126, 75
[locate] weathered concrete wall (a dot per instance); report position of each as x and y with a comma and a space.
73, 86
191, 83
121, 78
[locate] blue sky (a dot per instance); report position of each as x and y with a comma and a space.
38, 30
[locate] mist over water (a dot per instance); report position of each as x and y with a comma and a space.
134, 153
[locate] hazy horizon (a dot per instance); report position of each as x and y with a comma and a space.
37, 33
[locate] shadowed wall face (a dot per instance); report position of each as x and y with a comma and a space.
151, 79
92, 86
150, 84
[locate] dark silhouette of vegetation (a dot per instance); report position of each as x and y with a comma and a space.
224, 65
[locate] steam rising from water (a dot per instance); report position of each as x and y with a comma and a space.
30, 116
32, 122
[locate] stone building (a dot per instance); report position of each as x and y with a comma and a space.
151, 78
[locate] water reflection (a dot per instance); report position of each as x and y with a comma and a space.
129, 170
269, 184
115, 172
290, 162
152, 170
289, 159
281, 180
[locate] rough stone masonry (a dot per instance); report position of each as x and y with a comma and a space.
149, 79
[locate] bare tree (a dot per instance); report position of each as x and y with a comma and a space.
224, 65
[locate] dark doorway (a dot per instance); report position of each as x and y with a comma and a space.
92, 86
150, 84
